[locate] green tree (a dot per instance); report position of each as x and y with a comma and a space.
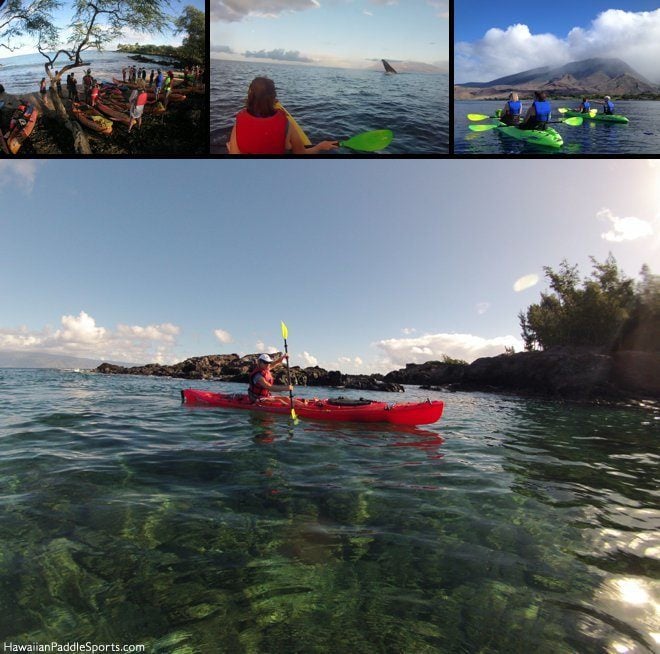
19, 18
193, 23
593, 313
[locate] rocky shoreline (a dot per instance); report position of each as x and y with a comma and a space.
563, 373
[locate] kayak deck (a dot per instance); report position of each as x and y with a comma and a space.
603, 118
405, 413
549, 138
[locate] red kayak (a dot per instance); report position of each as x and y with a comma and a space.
340, 409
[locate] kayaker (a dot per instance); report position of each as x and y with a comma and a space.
608, 105
585, 106
538, 113
260, 128
512, 110
261, 379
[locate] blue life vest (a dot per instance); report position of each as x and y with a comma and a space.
585, 107
609, 107
515, 107
542, 111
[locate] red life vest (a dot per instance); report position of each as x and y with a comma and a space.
141, 99
261, 135
253, 388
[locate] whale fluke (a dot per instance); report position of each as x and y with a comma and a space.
388, 68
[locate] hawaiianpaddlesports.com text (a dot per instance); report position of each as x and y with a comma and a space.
69, 648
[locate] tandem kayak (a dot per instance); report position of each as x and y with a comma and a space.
548, 137
605, 118
340, 409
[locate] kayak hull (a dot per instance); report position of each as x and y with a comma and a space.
603, 118
19, 134
406, 413
548, 138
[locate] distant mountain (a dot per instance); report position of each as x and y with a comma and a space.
14, 359
592, 77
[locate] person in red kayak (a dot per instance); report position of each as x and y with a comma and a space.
261, 128
261, 379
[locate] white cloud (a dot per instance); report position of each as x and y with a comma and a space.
18, 173
236, 10
399, 351
367, 13
223, 336
308, 359
624, 229
262, 347
482, 307
525, 282
81, 336
631, 36
441, 8
408, 331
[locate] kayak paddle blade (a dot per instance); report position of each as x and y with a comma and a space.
369, 141
477, 117
481, 128
285, 331
575, 121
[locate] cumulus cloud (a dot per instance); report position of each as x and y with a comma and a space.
442, 8
408, 331
236, 10
81, 336
624, 229
631, 36
399, 351
223, 336
279, 54
525, 282
308, 359
18, 173
367, 13
262, 347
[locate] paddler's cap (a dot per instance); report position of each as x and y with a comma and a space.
607, 97
265, 358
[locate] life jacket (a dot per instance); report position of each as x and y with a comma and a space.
542, 111
609, 107
261, 135
168, 84
253, 388
141, 99
94, 93
585, 107
515, 107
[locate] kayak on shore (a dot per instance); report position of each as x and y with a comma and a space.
340, 409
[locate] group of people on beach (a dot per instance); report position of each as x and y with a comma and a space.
540, 110
91, 87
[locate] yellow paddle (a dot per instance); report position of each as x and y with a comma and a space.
285, 335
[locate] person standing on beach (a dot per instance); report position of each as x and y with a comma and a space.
87, 84
159, 83
137, 100
144, 74
151, 78
94, 94
123, 74
167, 88
42, 88
58, 83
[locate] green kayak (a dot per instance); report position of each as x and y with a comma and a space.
547, 137
605, 118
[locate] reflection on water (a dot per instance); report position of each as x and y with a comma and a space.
510, 526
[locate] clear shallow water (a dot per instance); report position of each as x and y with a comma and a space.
22, 74
511, 525
640, 136
336, 103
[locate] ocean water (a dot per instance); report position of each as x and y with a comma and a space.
640, 136
337, 103
511, 525
22, 73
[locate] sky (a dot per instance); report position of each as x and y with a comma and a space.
62, 17
506, 38
344, 33
371, 264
